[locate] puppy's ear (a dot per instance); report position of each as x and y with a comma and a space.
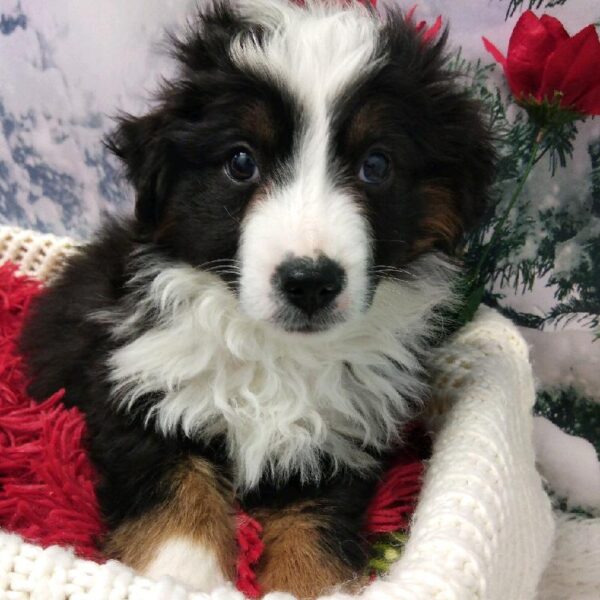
461, 149
463, 155
455, 189
450, 129
470, 156
148, 145
139, 143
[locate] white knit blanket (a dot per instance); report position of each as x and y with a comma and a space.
483, 528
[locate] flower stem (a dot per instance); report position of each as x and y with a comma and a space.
533, 159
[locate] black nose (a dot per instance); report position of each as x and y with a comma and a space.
311, 284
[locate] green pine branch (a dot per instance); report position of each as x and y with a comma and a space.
519, 318
594, 152
574, 309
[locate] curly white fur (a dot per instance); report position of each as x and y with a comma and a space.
281, 400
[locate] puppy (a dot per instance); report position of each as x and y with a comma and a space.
254, 335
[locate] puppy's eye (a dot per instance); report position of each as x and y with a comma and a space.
375, 168
241, 166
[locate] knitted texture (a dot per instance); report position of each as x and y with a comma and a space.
482, 528
47, 483
39, 255
251, 547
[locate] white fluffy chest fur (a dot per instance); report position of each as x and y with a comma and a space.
281, 400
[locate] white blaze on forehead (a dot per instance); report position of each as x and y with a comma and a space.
315, 51
314, 54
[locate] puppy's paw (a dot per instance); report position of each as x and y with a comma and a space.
290, 575
187, 561
295, 559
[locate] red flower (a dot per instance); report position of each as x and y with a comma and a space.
546, 65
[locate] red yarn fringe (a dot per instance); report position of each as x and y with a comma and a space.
396, 497
250, 547
47, 481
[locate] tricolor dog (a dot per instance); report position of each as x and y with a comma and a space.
255, 335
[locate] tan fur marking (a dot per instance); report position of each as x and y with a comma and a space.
200, 507
293, 560
257, 119
365, 124
165, 228
441, 222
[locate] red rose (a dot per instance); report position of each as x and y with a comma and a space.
544, 64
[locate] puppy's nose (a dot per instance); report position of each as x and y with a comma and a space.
309, 284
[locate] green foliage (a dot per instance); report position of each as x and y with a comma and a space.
578, 291
558, 144
572, 412
520, 318
387, 550
560, 504
594, 152
530, 235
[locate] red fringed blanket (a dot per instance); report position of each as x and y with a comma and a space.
47, 482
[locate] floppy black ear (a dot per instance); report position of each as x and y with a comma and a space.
463, 152
471, 156
455, 189
448, 124
145, 152
147, 145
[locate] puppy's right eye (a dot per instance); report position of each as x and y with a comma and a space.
375, 168
241, 166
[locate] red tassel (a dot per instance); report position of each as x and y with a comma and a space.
395, 498
250, 550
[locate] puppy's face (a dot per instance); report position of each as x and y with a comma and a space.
303, 155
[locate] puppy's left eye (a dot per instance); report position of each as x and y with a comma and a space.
375, 168
241, 166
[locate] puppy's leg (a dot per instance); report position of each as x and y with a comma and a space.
315, 545
299, 556
190, 536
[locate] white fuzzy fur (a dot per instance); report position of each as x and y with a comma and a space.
315, 53
279, 399
188, 561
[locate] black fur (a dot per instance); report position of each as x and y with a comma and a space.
433, 131
187, 209
174, 156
